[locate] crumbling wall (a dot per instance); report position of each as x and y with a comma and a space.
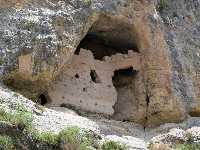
77, 86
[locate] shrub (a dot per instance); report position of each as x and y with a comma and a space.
71, 137
47, 137
19, 117
76, 138
6, 143
111, 145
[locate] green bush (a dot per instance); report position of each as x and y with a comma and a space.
78, 139
6, 143
47, 137
111, 145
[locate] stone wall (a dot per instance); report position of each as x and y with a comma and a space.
76, 84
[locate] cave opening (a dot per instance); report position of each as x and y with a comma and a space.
123, 81
43, 99
101, 46
108, 36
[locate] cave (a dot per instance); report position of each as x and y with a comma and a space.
102, 46
87, 79
124, 83
43, 99
109, 36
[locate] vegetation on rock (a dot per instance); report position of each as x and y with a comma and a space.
191, 146
76, 138
20, 121
19, 117
111, 145
6, 142
162, 5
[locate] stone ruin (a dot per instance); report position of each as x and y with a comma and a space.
99, 79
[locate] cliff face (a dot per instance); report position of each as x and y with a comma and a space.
40, 41
182, 32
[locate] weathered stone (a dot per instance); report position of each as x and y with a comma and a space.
76, 86
181, 20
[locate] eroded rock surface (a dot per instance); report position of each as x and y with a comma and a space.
182, 32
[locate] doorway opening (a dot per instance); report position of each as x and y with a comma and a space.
43, 99
124, 82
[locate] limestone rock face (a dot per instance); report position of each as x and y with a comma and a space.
38, 37
54, 48
181, 19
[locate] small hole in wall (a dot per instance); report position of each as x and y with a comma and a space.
42, 99
94, 76
84, 89
77, 76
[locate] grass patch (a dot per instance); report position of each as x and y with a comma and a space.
163, 4
77, 139
191, 146
47, 137
72, 137
6, 143
112, 145
19, 117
